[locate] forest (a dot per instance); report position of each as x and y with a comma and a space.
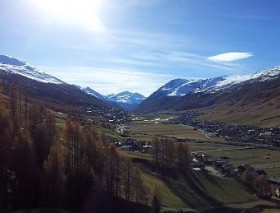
73, 167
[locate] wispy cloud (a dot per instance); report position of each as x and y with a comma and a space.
108, 81
230, 56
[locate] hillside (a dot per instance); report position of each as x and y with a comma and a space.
256, 96
45, 89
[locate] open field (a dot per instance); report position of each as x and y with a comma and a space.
269, 160
169, 198
150, 129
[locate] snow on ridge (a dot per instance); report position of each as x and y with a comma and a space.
213, 85
22, 68
262, 76
269, 74
230, 80
126, 97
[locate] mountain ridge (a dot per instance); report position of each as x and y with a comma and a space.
46, 89
126, 100
11, 64
254, 97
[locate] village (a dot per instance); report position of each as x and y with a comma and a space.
267, 137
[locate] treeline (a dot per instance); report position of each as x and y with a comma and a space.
170, 155
42, 166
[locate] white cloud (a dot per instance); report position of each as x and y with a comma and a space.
230, 56
199, 61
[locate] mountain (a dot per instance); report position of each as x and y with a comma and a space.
12, 65
92, 92
232, 97
45, 89
127, 100
181, 87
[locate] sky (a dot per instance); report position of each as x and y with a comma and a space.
139, 45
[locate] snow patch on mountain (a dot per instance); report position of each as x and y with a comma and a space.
92, 92
12, 65
127, 98
181, 87
265, 75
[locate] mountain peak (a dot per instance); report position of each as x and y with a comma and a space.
126, 99
12, 65
9, 60
92, 92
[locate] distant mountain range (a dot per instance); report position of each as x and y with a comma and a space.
253, 99
18, 71
127, 100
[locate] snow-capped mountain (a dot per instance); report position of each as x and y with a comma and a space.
127, 97
126, 100
44, 88
182, 93
92, 92
12, 65
181, 87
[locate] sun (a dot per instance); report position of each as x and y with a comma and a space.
84, 13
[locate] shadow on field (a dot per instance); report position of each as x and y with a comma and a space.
191, 190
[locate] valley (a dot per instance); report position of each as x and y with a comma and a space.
139, 106
237, 153
215, 149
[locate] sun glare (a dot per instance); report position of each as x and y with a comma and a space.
81, 12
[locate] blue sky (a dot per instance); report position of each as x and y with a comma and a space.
138, 45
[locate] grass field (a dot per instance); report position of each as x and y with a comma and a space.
269, 160
169, 198
148, 130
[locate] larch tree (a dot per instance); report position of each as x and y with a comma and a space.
53, 176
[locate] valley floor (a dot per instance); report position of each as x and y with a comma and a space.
199, 191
